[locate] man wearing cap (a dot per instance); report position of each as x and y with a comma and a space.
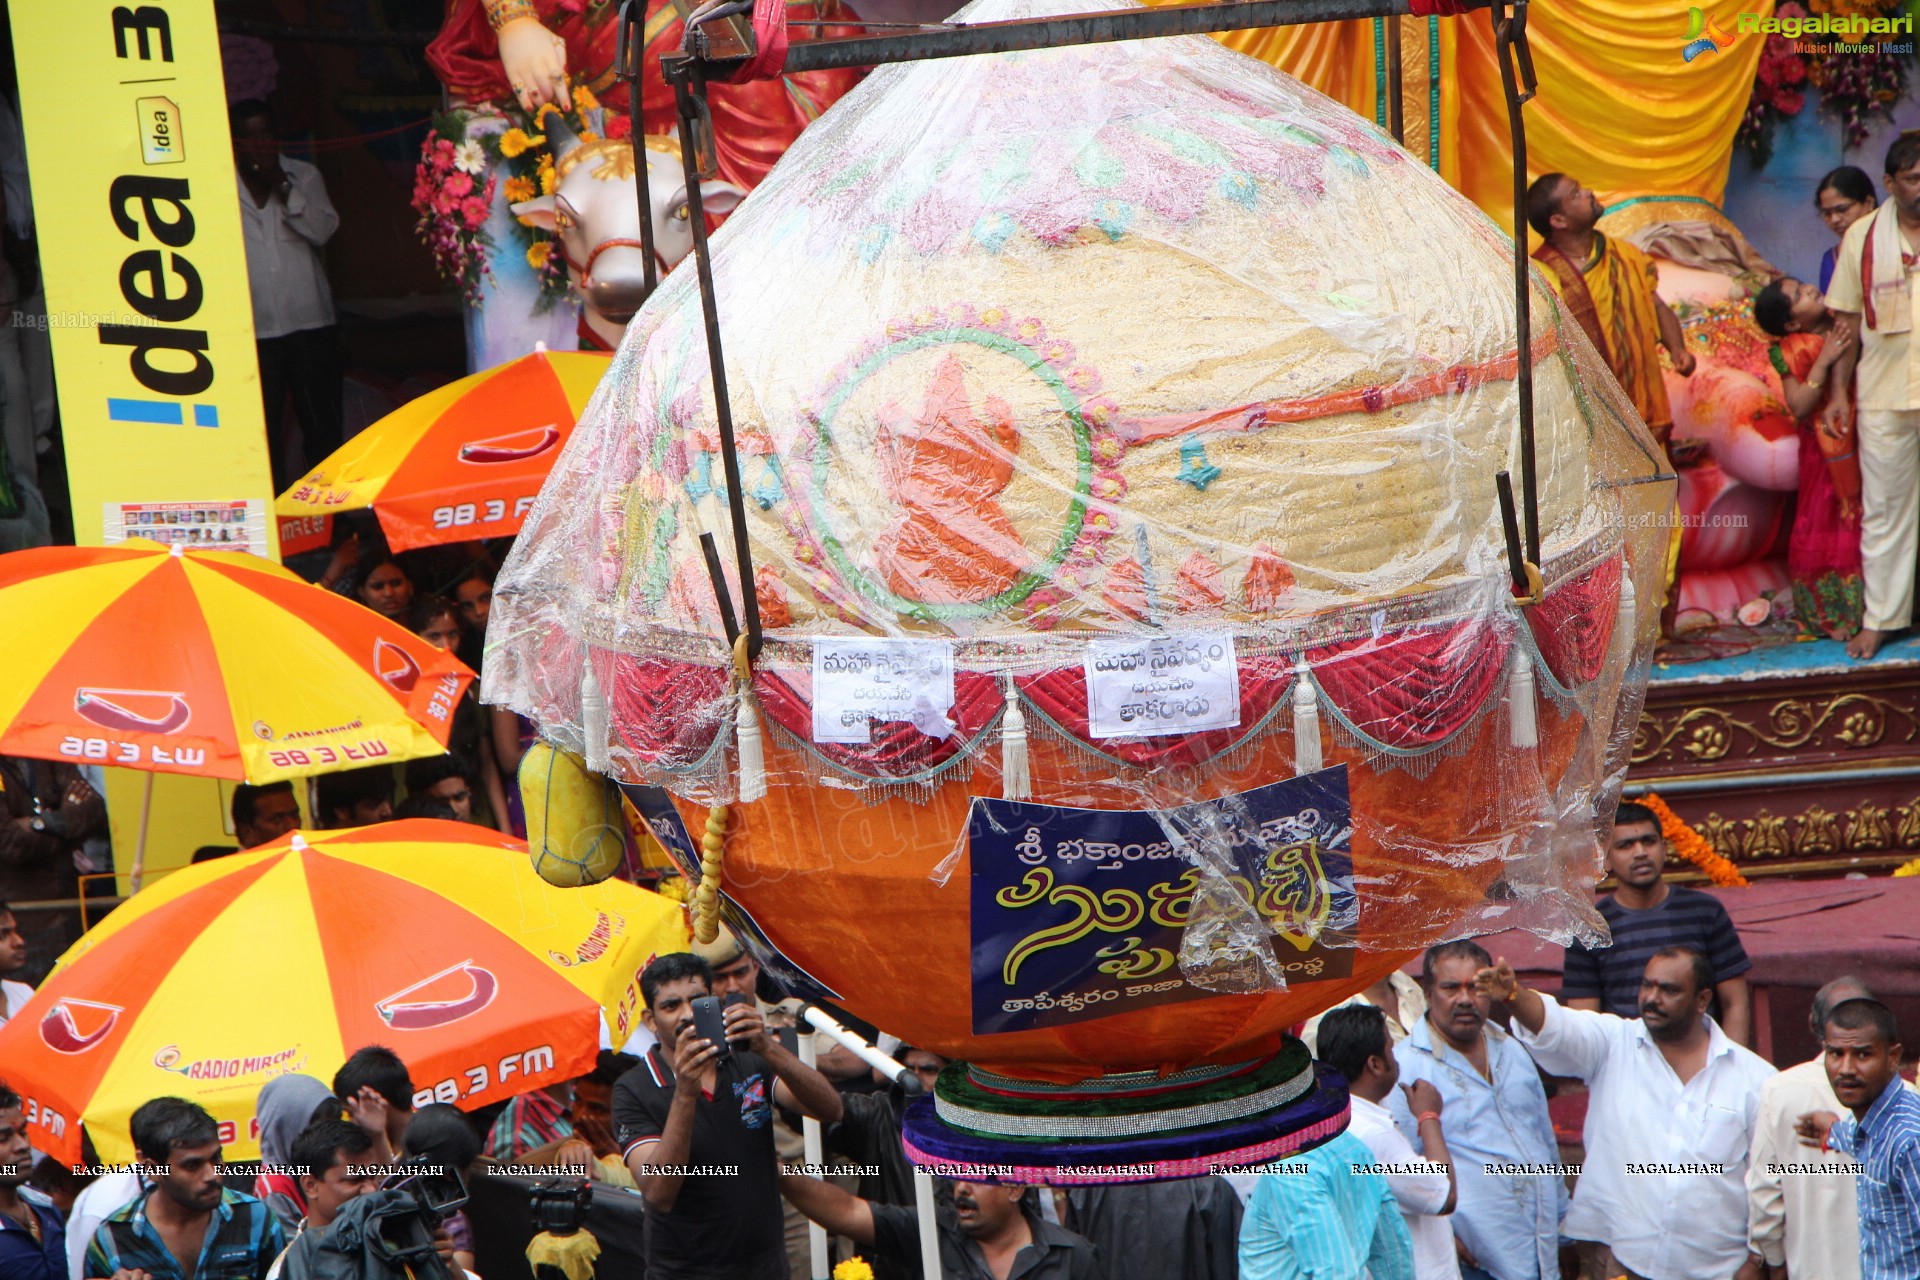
736, 972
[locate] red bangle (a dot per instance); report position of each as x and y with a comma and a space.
1425, 1116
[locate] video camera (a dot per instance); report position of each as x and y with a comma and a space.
437, 1190
560, 1205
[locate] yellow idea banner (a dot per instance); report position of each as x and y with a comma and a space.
137, 206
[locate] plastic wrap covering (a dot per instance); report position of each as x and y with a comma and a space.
1148, 404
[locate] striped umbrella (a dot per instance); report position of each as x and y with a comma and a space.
433, 938
461, 462
210, 663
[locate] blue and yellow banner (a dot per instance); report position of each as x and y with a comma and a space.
1080, 913
137, 209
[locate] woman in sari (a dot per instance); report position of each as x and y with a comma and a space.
1823, 551
1843, 197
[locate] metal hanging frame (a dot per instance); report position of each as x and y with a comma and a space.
719, 40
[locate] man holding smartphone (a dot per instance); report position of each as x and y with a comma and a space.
695, 1126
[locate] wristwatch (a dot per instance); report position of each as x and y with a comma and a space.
39, 823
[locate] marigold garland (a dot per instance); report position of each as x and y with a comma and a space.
853, 1269
1908, 868
1693, 846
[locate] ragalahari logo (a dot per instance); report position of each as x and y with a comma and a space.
75, 1026
1704, 35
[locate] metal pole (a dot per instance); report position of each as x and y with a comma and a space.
1516, 79
684, 100
726, 40
139, 868
814, 1153
629, 54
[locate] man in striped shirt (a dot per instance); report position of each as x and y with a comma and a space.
1647, 915
1882, 1132
188, 1227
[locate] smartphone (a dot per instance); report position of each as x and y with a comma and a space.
710, 1024
727, 1002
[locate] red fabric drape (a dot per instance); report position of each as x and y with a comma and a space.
1414, 688
666, 712
898, 750
1062, 694
1573, 625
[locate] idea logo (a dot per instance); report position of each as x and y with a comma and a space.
1704, 35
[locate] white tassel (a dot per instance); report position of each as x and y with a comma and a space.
1016, 781
1306, 720
753, 757
593, 722
1522, 718
1623, 618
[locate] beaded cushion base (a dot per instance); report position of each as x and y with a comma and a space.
1275, 1109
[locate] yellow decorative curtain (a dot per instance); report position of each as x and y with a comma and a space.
1618, 107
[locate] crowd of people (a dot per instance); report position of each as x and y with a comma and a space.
1697, 1160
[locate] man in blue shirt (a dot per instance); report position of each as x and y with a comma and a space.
1325, 1215
188, 1227
33, 1240
1510, 1194
1883, 1133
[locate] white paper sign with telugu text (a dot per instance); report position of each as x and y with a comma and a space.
1152, 687
859, 680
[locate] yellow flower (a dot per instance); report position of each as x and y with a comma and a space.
583, 99
1908, 869
546, 109
519, 189
853, 1269
538, 254
517, 141
546, 175
588, 135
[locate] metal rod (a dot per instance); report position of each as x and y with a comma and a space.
1510, 525
1052, 33
628, 57
1510, 33
711, 551
1396, 88
685, 102
929, 1231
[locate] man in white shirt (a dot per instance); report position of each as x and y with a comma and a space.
1670, 1120
1802, 1222
1354, 1041
1397, 995
13, 958
285, 218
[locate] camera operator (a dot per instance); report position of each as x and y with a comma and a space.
188, 1225
695, 1123
333, 1162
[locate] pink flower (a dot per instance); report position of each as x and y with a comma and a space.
459, 186
1755, 611
475, 212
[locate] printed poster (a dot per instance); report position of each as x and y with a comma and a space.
1079, 913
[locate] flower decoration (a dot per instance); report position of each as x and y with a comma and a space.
1852, 84
1693, 846
461, 170
853, 1269
1908, 868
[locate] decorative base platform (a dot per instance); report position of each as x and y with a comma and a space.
1129, 1128
1793, 760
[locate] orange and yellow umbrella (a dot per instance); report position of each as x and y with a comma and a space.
210, 663
433, 938
461, 462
